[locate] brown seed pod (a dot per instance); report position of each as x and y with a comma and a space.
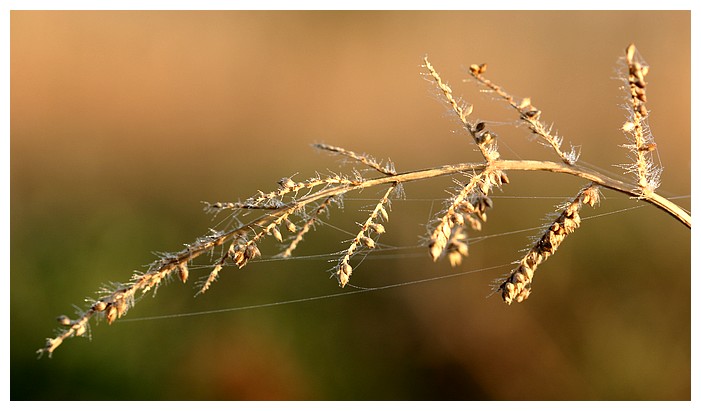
276, 233
532, 114
369, 242
290, 226
344, 273
111, 314
478, 68
384, 214
183, 272
630, 53
648, 147
286, 183
485, 137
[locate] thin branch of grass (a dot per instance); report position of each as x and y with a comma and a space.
363, 238
483, 138
304, 202
528, 113
637, 127
387, 169
517, 286
306, 227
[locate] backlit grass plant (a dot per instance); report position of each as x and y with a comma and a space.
289, 212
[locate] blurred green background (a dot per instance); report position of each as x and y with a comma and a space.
122, 122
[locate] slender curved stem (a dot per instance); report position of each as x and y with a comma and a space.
517, 165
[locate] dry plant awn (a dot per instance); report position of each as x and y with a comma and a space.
295, 206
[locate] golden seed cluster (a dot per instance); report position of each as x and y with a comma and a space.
363, 239
469, 206
645, 170
517, 286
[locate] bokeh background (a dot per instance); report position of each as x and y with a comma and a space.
123, 122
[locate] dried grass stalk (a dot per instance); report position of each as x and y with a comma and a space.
449, 237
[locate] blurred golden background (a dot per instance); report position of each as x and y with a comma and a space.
123, 122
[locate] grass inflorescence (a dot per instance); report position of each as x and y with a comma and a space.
288, 213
